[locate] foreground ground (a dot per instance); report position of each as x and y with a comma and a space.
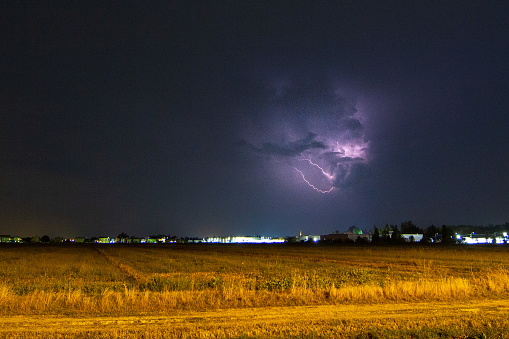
472, 319
228, 291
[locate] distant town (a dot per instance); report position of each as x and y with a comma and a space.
407, 232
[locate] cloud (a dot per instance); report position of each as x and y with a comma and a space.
310, 126
351, 173
291, 149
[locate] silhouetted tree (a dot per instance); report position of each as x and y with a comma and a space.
376, 236
431, 233
386, 231
448, 235
45, 238
409, 227
396, 234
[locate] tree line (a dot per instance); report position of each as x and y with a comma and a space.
445, 233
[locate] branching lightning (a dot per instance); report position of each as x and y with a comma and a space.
327, 175
327, 148
311, 185
330, 177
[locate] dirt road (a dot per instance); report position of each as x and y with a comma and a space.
274, 321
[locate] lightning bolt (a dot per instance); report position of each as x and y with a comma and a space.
311, 185
327, 175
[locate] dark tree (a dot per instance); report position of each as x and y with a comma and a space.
448, 236
432, 232
376, 236
45, 238
386, 231
396, 234
409, 227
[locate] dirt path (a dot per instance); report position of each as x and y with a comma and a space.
263, 321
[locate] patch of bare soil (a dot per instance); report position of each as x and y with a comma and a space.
273, 321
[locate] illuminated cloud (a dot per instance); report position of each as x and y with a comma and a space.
310, 127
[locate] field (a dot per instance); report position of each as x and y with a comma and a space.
248, 291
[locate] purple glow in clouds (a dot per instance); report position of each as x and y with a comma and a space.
313, 130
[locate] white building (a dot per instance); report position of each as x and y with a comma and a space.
416, 237
244, 240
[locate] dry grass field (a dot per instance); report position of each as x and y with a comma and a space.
248, 291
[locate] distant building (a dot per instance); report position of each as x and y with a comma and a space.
355, 234
306, 238
476, 239
354, 230
5, 238
473, 238
411, 237
242, 240
501, 238
10, 239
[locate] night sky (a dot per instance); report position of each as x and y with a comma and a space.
217, 118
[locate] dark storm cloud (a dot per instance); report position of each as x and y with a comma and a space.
311, 95
313, 128
352, 127
350, 173
291, 149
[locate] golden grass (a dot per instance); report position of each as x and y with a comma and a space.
129, 279
134, 300
50, 282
